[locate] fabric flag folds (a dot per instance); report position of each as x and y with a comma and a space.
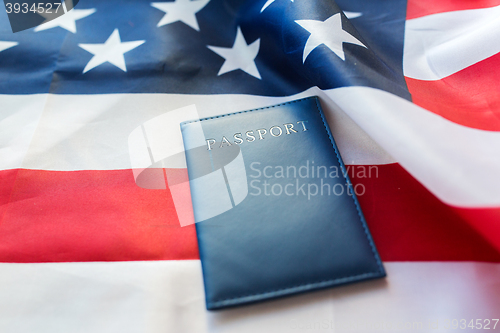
410, 91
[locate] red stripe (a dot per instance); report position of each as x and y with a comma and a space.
419, 8
409, 223
89, 216
7, 181
105, 216
486, 221
469, 97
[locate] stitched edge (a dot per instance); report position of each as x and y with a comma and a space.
354, 198
289, 290
235, 113
308, 285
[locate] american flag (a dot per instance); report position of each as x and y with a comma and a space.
410, 89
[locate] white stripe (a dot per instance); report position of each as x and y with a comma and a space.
90, 132
460, 165
159, 139
101, 297
19, 118
168, 296
439, 45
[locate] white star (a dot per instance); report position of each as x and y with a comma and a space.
66, 21
7, 45
267, 4
352, 15
111, 51
329, 33
180, 10
240, 56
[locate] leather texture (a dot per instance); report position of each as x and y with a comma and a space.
271, 244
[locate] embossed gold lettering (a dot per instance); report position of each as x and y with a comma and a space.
303, 122
278, 128
249, 134
210, 143
224, 141
289, 127
262, 132
237, 138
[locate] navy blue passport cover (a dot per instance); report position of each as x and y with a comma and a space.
269, 244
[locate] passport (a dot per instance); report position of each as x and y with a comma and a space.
275, 211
